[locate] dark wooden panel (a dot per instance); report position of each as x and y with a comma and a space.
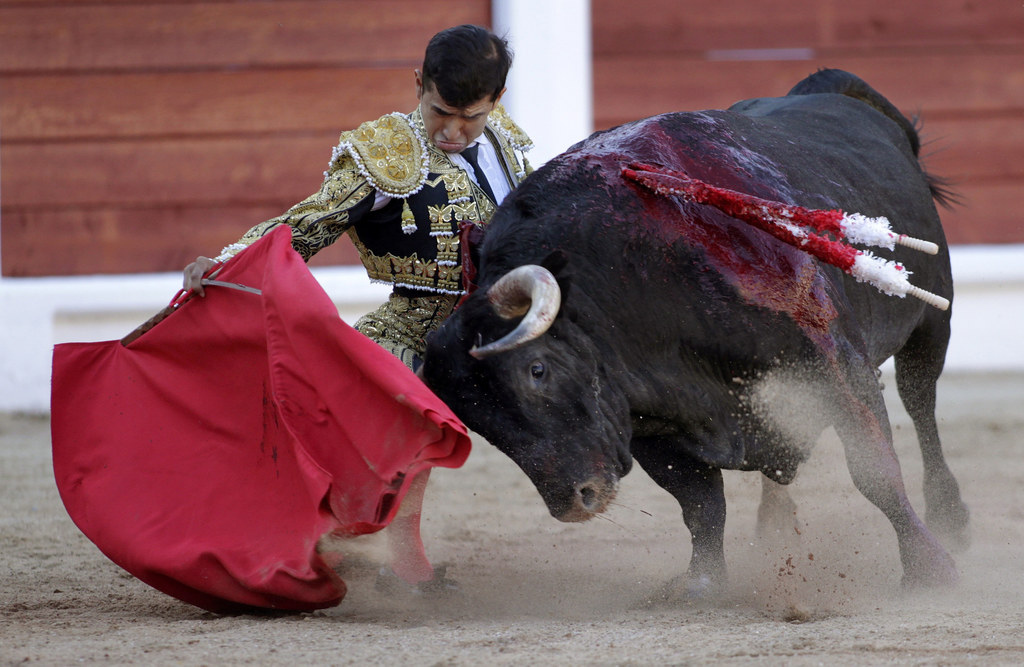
671, 26
975, 149
250, 170
121, 207
875, 24
990, 214
632, 87
958, 63
140, 133
124, 36
40, 241
134, 105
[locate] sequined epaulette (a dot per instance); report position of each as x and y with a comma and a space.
390, 153
514, 135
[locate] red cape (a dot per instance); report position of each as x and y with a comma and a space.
209, 455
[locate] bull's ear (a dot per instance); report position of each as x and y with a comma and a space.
556, 262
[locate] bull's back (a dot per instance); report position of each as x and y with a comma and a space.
841, 152
827, 151
820, 150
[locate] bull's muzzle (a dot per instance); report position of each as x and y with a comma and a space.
588, 498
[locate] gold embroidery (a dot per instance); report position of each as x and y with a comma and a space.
441, 217
426, 269
402, 267
447, 249
401, 324
391, 152
435, 214
342, 180
433, 183
500, 119
379, 267
486, 209
457, 184
451, 275
427, 274
321, 218
512, 142
408, 219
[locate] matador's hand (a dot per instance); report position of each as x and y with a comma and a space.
194, 273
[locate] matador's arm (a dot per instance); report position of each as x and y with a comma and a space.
320, 219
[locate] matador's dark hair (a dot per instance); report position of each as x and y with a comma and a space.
466, 63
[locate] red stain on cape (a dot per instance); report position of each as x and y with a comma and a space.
208, 456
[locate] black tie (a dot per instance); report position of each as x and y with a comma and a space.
470, 154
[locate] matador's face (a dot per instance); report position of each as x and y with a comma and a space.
452, 128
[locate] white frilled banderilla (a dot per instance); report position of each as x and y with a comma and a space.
796, 225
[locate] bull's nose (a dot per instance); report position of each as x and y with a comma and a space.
582, 500
586, 496
592, 495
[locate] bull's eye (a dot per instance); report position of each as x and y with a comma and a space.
537, 370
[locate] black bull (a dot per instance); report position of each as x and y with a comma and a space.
683, 338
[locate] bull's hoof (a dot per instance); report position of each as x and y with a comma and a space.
701, 587
918, 582
689, 588
951, 526
937, 572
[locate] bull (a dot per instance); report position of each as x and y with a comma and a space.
611, 322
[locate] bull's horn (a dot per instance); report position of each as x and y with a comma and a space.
529, 289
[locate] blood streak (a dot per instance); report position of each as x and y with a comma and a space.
764, 214
765, 275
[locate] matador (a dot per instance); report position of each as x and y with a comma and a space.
402, 201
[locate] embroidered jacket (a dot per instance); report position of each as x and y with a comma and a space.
413, 241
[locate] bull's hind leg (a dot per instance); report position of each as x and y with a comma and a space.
863, 426
700, 492
918, 366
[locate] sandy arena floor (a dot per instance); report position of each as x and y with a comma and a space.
535, 591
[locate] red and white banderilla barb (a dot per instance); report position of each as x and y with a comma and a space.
791, 224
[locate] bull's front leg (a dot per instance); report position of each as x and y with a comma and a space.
700, 492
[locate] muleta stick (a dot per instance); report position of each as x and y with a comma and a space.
794, 224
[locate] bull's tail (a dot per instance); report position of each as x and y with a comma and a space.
843, 83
